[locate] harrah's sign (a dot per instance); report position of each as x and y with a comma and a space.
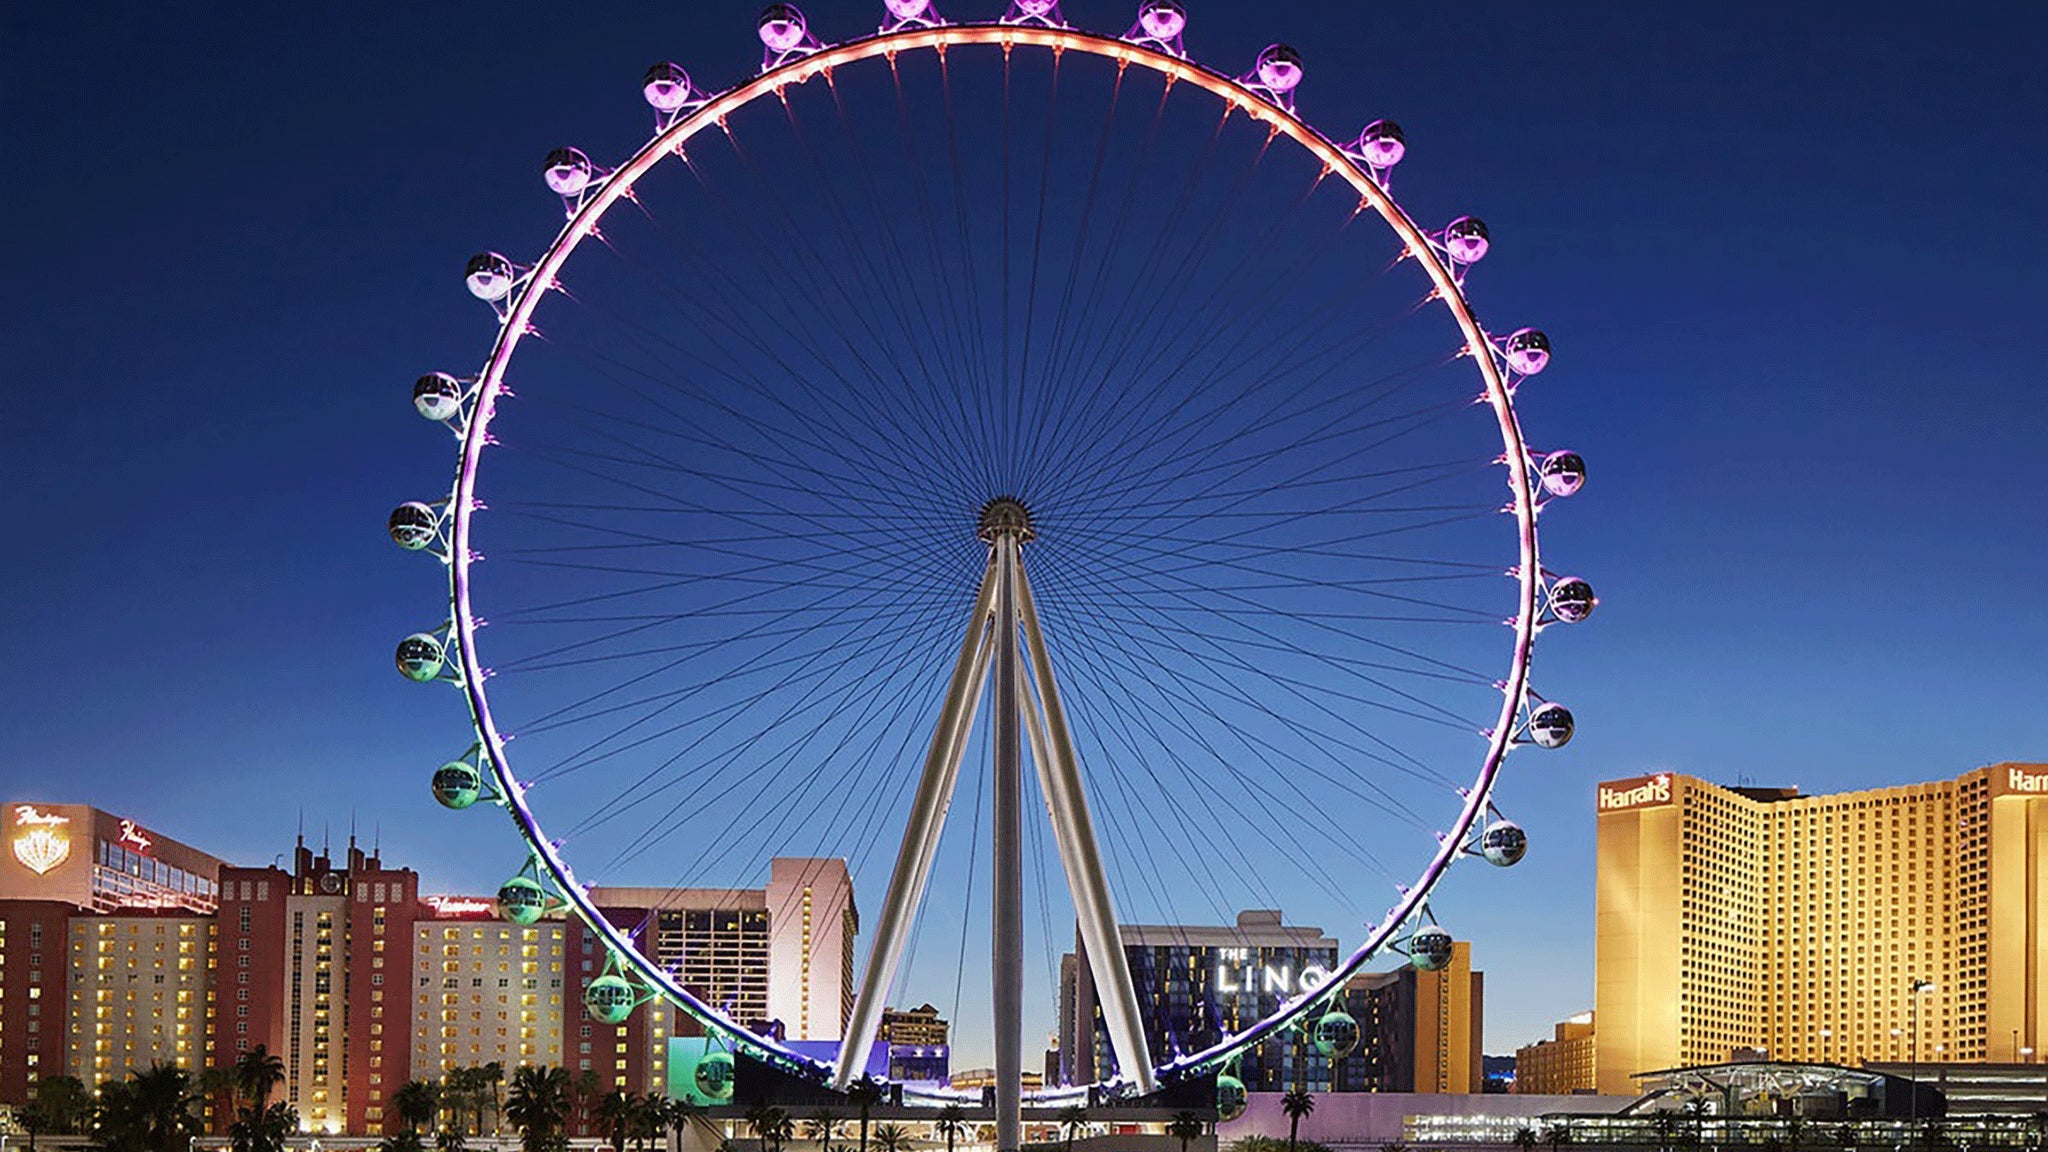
1641, 792
2018, 779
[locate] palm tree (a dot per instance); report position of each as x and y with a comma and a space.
407, 1141
537, 1105
1296, 1104
65, 1102
952, 1124
865, 1094
257, 1074
891, 1138
34, 1120
217, 1086
489, 1079
771, 1125
164, 1099
615, 1116
450, 1139
1184, 1127
1072, 1119
416, 1101
1795, 1134
650, 1119
1557, 1136
263, 1129
1525, 1138
1396, 1146
585, 1090
679, 1114
822, 1126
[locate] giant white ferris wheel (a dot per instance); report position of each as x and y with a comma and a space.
976, 392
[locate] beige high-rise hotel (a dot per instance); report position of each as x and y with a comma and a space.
1896, 924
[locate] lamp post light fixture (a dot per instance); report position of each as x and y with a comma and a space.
1916, 986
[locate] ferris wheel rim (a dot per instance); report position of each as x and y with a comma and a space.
516, 320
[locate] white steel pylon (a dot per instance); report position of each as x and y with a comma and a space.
1028, 707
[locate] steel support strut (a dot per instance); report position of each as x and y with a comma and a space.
921, 833
1007, 927
1066, 801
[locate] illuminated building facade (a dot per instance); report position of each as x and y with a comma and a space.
1197, 983
1561, 1065
100, 862
918, 1044
484, 991
1419, 1031
1895, 924
86, 898
780, 956
120, 948
140, 991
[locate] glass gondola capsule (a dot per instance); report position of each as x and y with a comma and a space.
1231, 1098
490, 277
1430, 948
1563, 473
1279, 68
782, 28
1551, 726
1467, 240
1037, 9
567, 171
437, 396
1503, 843
522, 900
1162, 19
1572, 599
714, 1075
908, 9
1527, 351
1336, 1034
1382, 144
413, 526
610, 999
666, 87
420, 657
457, 785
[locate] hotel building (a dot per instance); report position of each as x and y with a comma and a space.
780, 954
1418, 1031
106, 945
120, 947
1561, 1065
1896, 924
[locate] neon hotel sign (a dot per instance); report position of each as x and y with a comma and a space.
1625, 794
2020, 780
1236, 973
41, 842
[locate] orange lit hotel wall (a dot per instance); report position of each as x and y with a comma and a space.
1757, 918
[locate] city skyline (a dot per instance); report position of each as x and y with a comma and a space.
1813, 516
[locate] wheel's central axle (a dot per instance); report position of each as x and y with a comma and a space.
1005, 516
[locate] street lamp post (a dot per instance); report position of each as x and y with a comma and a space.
1916, 987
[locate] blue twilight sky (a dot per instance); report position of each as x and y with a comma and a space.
1791, 257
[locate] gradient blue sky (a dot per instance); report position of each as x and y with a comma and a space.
1788, 255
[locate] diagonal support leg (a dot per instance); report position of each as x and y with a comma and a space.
1052, 749
920, 833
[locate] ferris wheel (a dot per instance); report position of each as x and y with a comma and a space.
979, 392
